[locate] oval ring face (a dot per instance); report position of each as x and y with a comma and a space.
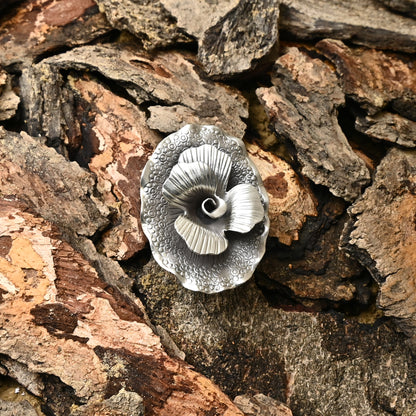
204, 209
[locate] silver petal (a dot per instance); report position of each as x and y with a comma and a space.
245, 207
206, 273
218, 161
199, 239
185, 181
219, 204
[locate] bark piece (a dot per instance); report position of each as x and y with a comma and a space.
233, 36
389, 127
247, 347
121, 143
20, 372
261, 405
302, 105
238, 41
43, 105
41, 27
121, 404
148, 20
407, 7
197, 16
9, 101
57, 189
166, 79
381, 235
362, 22
316, 273
290, 202
88, 343
17, 408
375, 79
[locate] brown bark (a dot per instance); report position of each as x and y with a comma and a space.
290, 201
59, 190
323, 94
123, 144
41, 27
390, 127
362, 22
387, 247
286, 352
9, 101
373, 78
302, 105
261, 405
56, 310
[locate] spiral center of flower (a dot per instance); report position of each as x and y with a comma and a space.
214, 207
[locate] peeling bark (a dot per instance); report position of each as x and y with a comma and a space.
316, 273
9, 101
301, 359
375, 79
165, 79
362, 22
389, 127
42, 26
302, 105
59, 190
121, 144
148, 20
226, 50
55, 309
290, 202
93, 88
381, 235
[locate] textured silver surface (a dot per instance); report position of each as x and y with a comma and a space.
200, 193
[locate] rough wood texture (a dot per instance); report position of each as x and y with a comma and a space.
120, 144
9, 101
73, 114
40, 27
148, 20
59, 190
407, 7
56, 310
197, 16
17, 408
261, 405
97, 95
47, 109
390, 127
290, 202
302, 105
362, 22
375, 79
381, 234
163, 80
233, 35
225, 49
301, 359
314, 273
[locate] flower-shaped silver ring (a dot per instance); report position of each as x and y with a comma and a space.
204, 209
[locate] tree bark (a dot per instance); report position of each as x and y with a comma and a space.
323, 94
